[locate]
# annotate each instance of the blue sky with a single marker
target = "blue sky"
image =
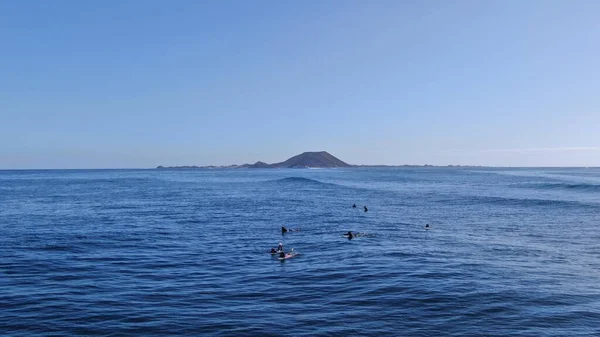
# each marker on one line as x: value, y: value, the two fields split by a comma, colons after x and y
x: 113, y: 84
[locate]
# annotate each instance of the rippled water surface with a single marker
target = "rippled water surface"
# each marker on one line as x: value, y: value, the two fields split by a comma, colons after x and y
x: 512, y: 252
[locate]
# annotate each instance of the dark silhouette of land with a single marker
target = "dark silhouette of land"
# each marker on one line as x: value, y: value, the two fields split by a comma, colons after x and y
x: 311, y: 159
x: 321, y: 159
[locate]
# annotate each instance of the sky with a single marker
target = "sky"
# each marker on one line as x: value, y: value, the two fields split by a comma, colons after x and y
x: 137, y: 84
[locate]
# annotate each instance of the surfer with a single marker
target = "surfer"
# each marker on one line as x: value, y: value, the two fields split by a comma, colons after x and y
x: 273, y: 251
x: 366, y: 210
x: 280, y: 247
x: 354, y: 206
x: 427, y: 226
x: 282, y: 254
x: 283, y: 229
x: 349, y: 235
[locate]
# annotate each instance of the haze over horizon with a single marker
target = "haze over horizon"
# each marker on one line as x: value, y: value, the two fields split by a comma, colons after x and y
x: 136, y: 84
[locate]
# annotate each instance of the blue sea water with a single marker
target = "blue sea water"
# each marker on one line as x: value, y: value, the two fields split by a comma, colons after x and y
x: 510, y: 252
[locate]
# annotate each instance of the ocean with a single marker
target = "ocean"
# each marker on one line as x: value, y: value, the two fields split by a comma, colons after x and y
x: 509, y: 252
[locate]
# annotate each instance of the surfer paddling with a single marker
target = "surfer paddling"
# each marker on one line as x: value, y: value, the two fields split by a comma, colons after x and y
x: 285, y: 230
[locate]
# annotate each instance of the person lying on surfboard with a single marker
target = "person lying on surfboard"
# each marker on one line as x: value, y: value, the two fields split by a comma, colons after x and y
x: 291, y: 254
x: 349, y: 235
x: 285, y: 230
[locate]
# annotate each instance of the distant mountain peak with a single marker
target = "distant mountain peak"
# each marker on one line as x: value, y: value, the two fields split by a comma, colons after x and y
x: 317, y: 159
x: 260, y: 164
x: 312, y: 159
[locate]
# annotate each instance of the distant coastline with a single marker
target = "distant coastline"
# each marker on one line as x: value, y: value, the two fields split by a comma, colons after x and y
x: 245, y: 166
x: 320, y: 159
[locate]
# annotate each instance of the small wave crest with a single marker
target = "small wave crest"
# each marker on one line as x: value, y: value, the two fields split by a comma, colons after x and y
x: 298, y: 180
x: 518, y: 202
x: 56, y: 248
x: 582, y: 187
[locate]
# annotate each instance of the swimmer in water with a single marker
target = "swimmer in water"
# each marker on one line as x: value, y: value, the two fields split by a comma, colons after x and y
x: 273, y: 251
x: 366, y: 210
x: 427, y: 226
x: 354, y: 206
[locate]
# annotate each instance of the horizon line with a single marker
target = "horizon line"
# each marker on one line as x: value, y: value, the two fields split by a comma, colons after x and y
x: 225, y: 167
